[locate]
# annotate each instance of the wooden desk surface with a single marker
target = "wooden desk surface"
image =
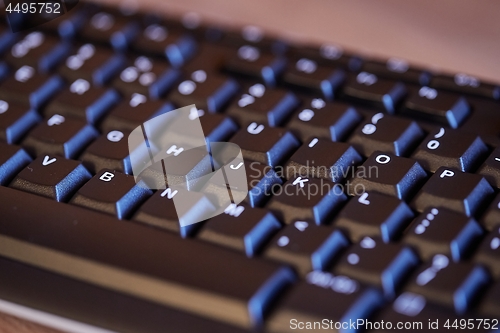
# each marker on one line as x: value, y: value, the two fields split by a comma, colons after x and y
x: 458, y: 36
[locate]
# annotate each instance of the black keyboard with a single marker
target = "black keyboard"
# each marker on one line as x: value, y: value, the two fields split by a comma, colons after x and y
x: 407, y: 232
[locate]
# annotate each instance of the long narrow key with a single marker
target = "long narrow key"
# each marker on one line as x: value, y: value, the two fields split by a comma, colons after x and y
x: 111, y: 192
x: 242, y: 228
x: 373, y: 262
x: 12, y: 160
x: 60, y: 136
x: 240, y: 295
x: 336, y: 297
x: 374, y: 214
x: 265, y: 106
x: 51, y: 176
x: 462, y: 192
x: 93, y: 64
x: 265, y: 144
x: 132, y: 112
x: 252, y: 62
x: 388, y: 134
x: 159, y: 210
x: 466, y: 84
x: 321, y: 158
x: 492, y: 214
x: 30, y: 88
x: 397, y: 69
x: 442, y: 107
x: 146, y: 77
x: 490, y: 169
x: 324, y: 119
x: 370, y: 90
x: 37, y: 50
x: 452, y: 284
x: 15, y: 120
x: 442, y: 231
x: 307, y: 74
x: 489, y: 250
x: 451, y: 148
x: 389, y: 174
x: 84, y: 101
x: 109, y: 151
x: 306, y: 247
x: 309, y: 199
x: 208, y: 92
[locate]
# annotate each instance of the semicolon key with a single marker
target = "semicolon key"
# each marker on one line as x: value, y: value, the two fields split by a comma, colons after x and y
x: 52, y: 176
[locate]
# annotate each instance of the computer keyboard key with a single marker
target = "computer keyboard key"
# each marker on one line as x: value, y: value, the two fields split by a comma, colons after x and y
x: 111, y: 192
x: 448, y: 283
x: 451, y: 148
x: 199, y: 270
x: 389, y: 174
x: 441, y: 231
x: 241, y: 228
x: 254, y: 36
x: 216, y: 127
x: 209, y: 92
x: 337, y: 298
x: 320, y: 119
x: 485, y: 120
x: 322, y: 158
x: 492, y: 214
x: 37, y: 50
x: 488, y: 252
x: 309, y: 199
x: 418, y: 313
x: 30, y: 88
x: 374, y: 214
x: 388, y: 134
x: 109, y: 151
x: 12, y: 160
x: 132, y: 112
x: 490, y: 169
x: 159, y: 210
x: 264, y: 144
x: 306, y: 74
x: 92, y: 63
x: 458, y: 191
x: 51, y: 176
x: 147, y: 77
x: 490, y: 304
x: 306, y: 246
x: 442, y: 107
x: 109, y: 28
x: 330, y: 55
x: 368, y: 89
x: 466, y: 84
x: 157, y: 40
x: 373, y: 262
x: 84, y: 101
x: 398, y: 69
x: 59, y: 135
x: 250, y: 61
x: 15, y: 121
x: 263, y: 105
